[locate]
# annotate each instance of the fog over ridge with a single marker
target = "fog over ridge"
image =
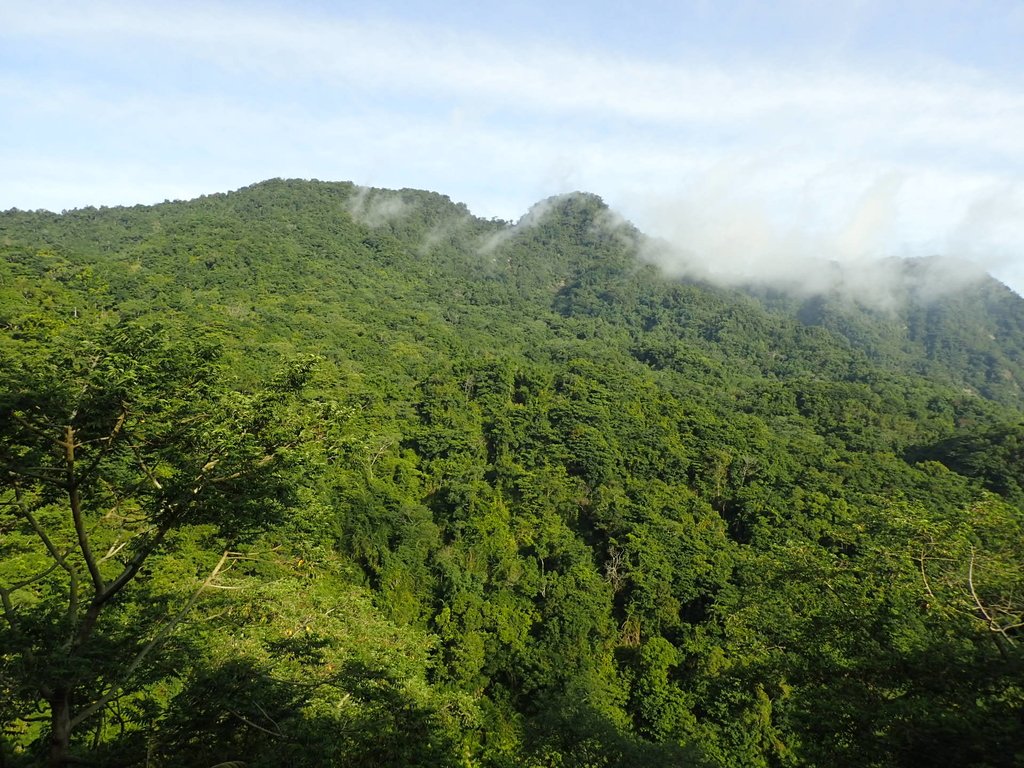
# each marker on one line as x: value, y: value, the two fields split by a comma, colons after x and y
x: 734, y: 245
x: 861, y: 250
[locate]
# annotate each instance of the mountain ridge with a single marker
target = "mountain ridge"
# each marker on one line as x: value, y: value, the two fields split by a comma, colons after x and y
x: 548, y: 505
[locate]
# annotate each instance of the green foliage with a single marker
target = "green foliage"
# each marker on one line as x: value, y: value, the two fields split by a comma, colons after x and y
x: 118, y: 446
x: 519, y: 499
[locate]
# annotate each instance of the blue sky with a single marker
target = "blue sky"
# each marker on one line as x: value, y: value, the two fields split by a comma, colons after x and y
x: 753, y: 135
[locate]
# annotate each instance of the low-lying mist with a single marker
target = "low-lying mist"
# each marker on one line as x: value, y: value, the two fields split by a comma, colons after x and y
x: 719, y: 237
x: 862, y: 252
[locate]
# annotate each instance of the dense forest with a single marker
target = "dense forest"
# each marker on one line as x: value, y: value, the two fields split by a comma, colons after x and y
x: 311, y: 474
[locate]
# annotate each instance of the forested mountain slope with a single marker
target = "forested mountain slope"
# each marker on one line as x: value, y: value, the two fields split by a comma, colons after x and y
x: 381, y: 483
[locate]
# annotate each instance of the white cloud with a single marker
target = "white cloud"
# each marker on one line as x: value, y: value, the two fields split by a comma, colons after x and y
x: 750, y: 166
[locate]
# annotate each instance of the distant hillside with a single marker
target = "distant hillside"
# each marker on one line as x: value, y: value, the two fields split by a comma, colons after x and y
x: 534, y: 501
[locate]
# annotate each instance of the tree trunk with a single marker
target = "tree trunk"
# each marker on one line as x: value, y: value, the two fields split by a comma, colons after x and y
x: 60, y: 728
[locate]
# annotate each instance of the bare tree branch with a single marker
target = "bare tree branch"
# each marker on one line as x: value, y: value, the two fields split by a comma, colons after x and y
x: 160, y: 636
x: 25, y: 512
x: 48, y: 436
x: 75, y: 500
x: 133, y: 565
x: 251, y: 724
x: 145, y: 469
x: 32, y: 579
x: 108, y: 441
